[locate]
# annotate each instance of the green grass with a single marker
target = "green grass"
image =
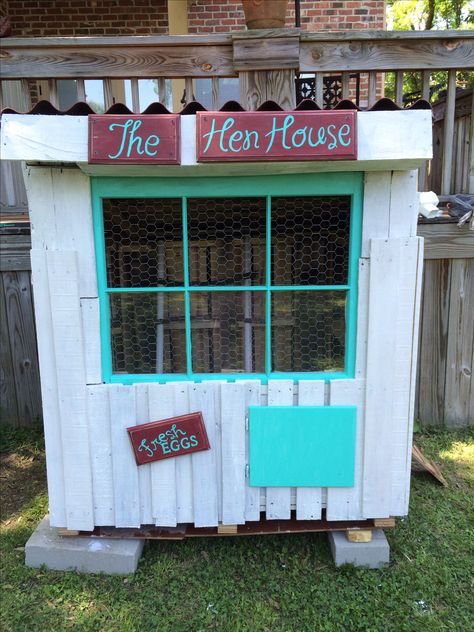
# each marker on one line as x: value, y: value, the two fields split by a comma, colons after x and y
x: 271, y: 583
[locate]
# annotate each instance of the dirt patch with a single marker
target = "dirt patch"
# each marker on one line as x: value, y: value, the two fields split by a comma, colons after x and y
x: 22, y: 478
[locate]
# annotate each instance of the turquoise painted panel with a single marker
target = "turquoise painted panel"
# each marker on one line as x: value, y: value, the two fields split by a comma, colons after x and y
x: 302, y: 446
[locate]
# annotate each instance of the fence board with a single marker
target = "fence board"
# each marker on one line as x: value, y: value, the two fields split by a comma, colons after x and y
x: 8, y: 394
x: 460, y: 342
x: 309, y: 499
x: 144, y: 471
x: 21, y: 332
x: 252, y: 494
x: 233, y: 452
x: 126, y: 488
x: 63, y: 279
x: 278, y: 505
x: 98, y: 411
x: 184, y: 468
x: 163, y: 473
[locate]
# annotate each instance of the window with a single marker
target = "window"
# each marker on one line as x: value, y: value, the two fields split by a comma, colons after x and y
x: 205, y: 278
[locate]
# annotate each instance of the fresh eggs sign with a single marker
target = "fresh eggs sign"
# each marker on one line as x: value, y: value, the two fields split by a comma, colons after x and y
x: 168, y: 438
x: 257, y: 136
x: 150, y: 139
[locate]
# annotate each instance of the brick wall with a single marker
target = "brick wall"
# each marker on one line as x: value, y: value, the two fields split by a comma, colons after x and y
x: 43, y: 18
x: 221, y: 16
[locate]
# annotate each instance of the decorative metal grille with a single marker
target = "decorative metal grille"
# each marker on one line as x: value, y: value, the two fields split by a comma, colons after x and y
x: 227, y: 285
x: 332, y: 89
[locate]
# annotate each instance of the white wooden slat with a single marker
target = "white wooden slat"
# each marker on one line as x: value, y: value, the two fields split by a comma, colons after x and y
x: 376, y: 214
x: 92, y: 343
x: 403, y: 204
x: 204, y: 464
x: 278, y: 501
x: 124, y: 467
x: 73, y: 224
x: 216, y: 100
x: 308, y: 499
x: 216, y: 385
x: 252, y: 494
x: 184, y: 469
x: 345, y: 503
x: 39, y: 189
x: 144, y: 471
x: 362, y: 317
x: 100, y: 441
x: 381, y: 351
x: 414, y: 367
x: 53, y: 92
x: 63, y: 279
x: 163, y: 473
x: 402, y: 387
x: 49, y: 390
x: 403, y: 136
x: 233, y: 452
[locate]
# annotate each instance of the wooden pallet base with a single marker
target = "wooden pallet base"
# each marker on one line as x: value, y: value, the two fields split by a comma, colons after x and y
x: 262, y: 527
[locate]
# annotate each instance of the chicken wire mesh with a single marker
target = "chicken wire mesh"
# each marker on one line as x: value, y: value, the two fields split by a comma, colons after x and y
x: 226, y: 238
x: 310, y: 240
x: 143, y: 242
x: 227, y: 247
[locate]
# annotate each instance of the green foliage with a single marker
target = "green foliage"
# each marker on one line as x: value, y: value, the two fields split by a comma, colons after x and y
x: 274, y: 583
x: 416, y: 15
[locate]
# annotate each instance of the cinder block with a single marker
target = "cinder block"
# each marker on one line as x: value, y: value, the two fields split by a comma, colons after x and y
x: 87, y: 555
x: 373, y: 554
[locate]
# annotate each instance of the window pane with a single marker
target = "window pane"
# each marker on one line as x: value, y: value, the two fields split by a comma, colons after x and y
x: 310, y: 240
x: 228, y: 332
x: 143, y: 242
x: 226, y: 241
x: 148, y: 332
x: 308, y: 330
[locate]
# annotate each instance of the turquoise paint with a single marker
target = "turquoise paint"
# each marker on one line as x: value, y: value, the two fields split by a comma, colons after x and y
x: 224, y: 288
x: 187, y: 300
x: 162, y: 378
x: 104, y: 306
x: 302, y: 446
x: 296, y: 185
x: 268, y: 279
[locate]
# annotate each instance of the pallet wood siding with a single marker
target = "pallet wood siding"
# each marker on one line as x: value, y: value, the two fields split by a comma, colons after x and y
x: 20, y: 394
x: 445, y: 383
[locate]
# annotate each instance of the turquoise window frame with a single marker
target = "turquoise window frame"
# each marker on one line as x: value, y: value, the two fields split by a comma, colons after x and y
x: 295, y: 185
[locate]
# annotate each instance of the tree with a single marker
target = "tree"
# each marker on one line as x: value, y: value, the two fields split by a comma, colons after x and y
x: 424, y: 15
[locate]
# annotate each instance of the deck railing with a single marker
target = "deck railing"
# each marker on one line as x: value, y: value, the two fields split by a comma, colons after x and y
x: 264, y: 65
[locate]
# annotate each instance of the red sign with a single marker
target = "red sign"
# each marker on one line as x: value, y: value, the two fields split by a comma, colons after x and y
x: 255, y: 136
x: 168, y: 438
x: 124, y: 139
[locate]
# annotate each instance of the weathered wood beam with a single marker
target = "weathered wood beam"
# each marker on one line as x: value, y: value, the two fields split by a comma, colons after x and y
x: 266, y: 54
x: 447, y: 241
x: 120, y: 62
x: 360, y: 54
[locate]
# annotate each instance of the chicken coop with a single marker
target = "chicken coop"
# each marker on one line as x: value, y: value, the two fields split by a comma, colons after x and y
x: 227, y: 313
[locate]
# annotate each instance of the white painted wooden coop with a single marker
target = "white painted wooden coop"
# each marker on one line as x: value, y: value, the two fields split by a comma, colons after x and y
x: 96, y: 383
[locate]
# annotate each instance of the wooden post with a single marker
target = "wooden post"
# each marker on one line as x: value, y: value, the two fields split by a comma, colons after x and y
x: 177, y: 25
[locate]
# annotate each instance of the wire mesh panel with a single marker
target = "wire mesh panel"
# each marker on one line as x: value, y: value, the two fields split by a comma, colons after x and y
x: 226, y: 239
x: 148, y: 332
x: 308, y: 331
x: 228, y: 332
x: 224, y: 285
x: 144, y: 242
x: 310, y: 240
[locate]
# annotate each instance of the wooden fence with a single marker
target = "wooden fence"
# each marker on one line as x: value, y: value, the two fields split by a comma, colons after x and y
x: 20, y: 395
x: 446, y: 357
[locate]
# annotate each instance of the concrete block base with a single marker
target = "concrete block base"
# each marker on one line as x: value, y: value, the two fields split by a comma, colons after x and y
x: 373, y: 554
x: 87, y: 555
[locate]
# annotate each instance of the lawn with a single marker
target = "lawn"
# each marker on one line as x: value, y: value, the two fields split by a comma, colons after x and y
x: 271, y: 583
